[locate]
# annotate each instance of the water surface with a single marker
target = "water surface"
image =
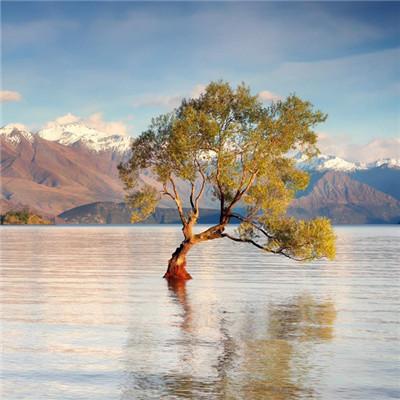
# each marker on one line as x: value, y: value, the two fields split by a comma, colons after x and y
x: 86, y: 315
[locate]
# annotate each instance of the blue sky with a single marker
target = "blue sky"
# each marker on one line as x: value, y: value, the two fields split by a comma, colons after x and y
x: 130, y: 61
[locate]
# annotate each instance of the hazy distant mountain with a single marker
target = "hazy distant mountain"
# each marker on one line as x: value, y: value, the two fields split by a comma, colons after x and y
x: 385, y: 178
x: 346, y: 201
x: 385, y: 163
x: 64, y: 166
x: 118, y: 213
x: 383, y: 175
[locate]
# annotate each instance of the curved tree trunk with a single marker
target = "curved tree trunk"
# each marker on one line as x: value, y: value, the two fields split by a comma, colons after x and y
x: 177, y: 264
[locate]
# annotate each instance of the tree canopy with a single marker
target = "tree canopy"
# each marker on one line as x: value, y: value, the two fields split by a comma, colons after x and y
x: 228, y: 140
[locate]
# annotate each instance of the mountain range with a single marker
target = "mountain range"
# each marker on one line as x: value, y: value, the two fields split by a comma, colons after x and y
x: 65, y: 169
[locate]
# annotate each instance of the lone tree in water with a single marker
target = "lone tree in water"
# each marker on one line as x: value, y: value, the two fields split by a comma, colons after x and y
x: 227, y: 140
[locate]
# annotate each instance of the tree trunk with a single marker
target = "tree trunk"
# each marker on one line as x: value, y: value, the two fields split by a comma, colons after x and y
x: 177, y: 264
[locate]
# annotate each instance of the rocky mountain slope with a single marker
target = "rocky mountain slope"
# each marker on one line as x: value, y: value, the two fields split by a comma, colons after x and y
x: 65, y: 166
x: 51, y: 177
x: 346, y: 201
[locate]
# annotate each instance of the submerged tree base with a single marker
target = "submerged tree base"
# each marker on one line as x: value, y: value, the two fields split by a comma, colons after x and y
x: 177, y: 264
x: 177, y: 272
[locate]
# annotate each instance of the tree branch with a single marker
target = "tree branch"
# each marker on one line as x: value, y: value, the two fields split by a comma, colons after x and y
x: 178, y: 202
x: 221, y: 193
x: 236, y: 239
x: 192, y: 196
x: 213, y: 232
x: 203, y: 185
x: 194, y: 201
x: 166, y: 192
x: 280, y: 251
x: 240, y: 193
x: 249, y: 221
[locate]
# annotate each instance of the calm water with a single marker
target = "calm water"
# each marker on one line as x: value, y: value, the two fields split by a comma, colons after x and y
x: 86, y: 315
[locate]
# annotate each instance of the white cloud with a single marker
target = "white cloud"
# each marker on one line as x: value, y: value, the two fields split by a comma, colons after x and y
x: 376, y: 149
x: 97, y: 122
x: 9, y: 95
x: 94, y: 121
x: 163, y: 101
x: 198, y: 90
x: 66, y: 119
x: 167, y: 101
x: 268, y: 96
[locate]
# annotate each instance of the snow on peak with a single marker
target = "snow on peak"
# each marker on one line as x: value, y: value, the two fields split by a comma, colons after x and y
x: 14, y: 132
x: 323, y: 162
x: 71, y: 133
x: 386, y: 162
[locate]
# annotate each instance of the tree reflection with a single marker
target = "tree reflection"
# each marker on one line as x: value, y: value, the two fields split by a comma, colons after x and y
x: 261, y: 353
x: 277, y: 366
x: 302, y: 317
x: 190, y: 386
x: 178, y: 292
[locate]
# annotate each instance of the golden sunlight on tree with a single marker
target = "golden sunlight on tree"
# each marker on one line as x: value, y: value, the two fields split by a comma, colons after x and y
x: 229, y: 141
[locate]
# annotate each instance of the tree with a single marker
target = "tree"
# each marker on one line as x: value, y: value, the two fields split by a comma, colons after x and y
x: 228, y: 140
x: 23, y: 217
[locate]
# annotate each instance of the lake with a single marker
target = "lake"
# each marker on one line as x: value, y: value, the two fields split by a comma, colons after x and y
x: 86, y: 315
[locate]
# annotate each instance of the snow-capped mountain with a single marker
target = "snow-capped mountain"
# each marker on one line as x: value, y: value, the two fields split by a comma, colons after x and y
x: 74, y: 133
x: 13, y: 133
x: 324, y: 162
x: 386, y: 162
x: 70, y: 135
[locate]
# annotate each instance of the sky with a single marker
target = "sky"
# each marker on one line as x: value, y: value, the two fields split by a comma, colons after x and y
x: 118, y: 64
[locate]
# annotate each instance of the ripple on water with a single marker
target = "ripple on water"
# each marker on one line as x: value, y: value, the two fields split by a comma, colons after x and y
x: 86, y: 315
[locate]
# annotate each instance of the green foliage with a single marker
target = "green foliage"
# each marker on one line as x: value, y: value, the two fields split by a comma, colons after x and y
x: 143, y: 203
x: 302, y: 240
x: 240, y: 148
x: 17, y: 217
x: 24, y: 217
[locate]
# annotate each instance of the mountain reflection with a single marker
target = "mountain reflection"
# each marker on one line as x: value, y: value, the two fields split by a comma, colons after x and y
x: 249, y: 354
